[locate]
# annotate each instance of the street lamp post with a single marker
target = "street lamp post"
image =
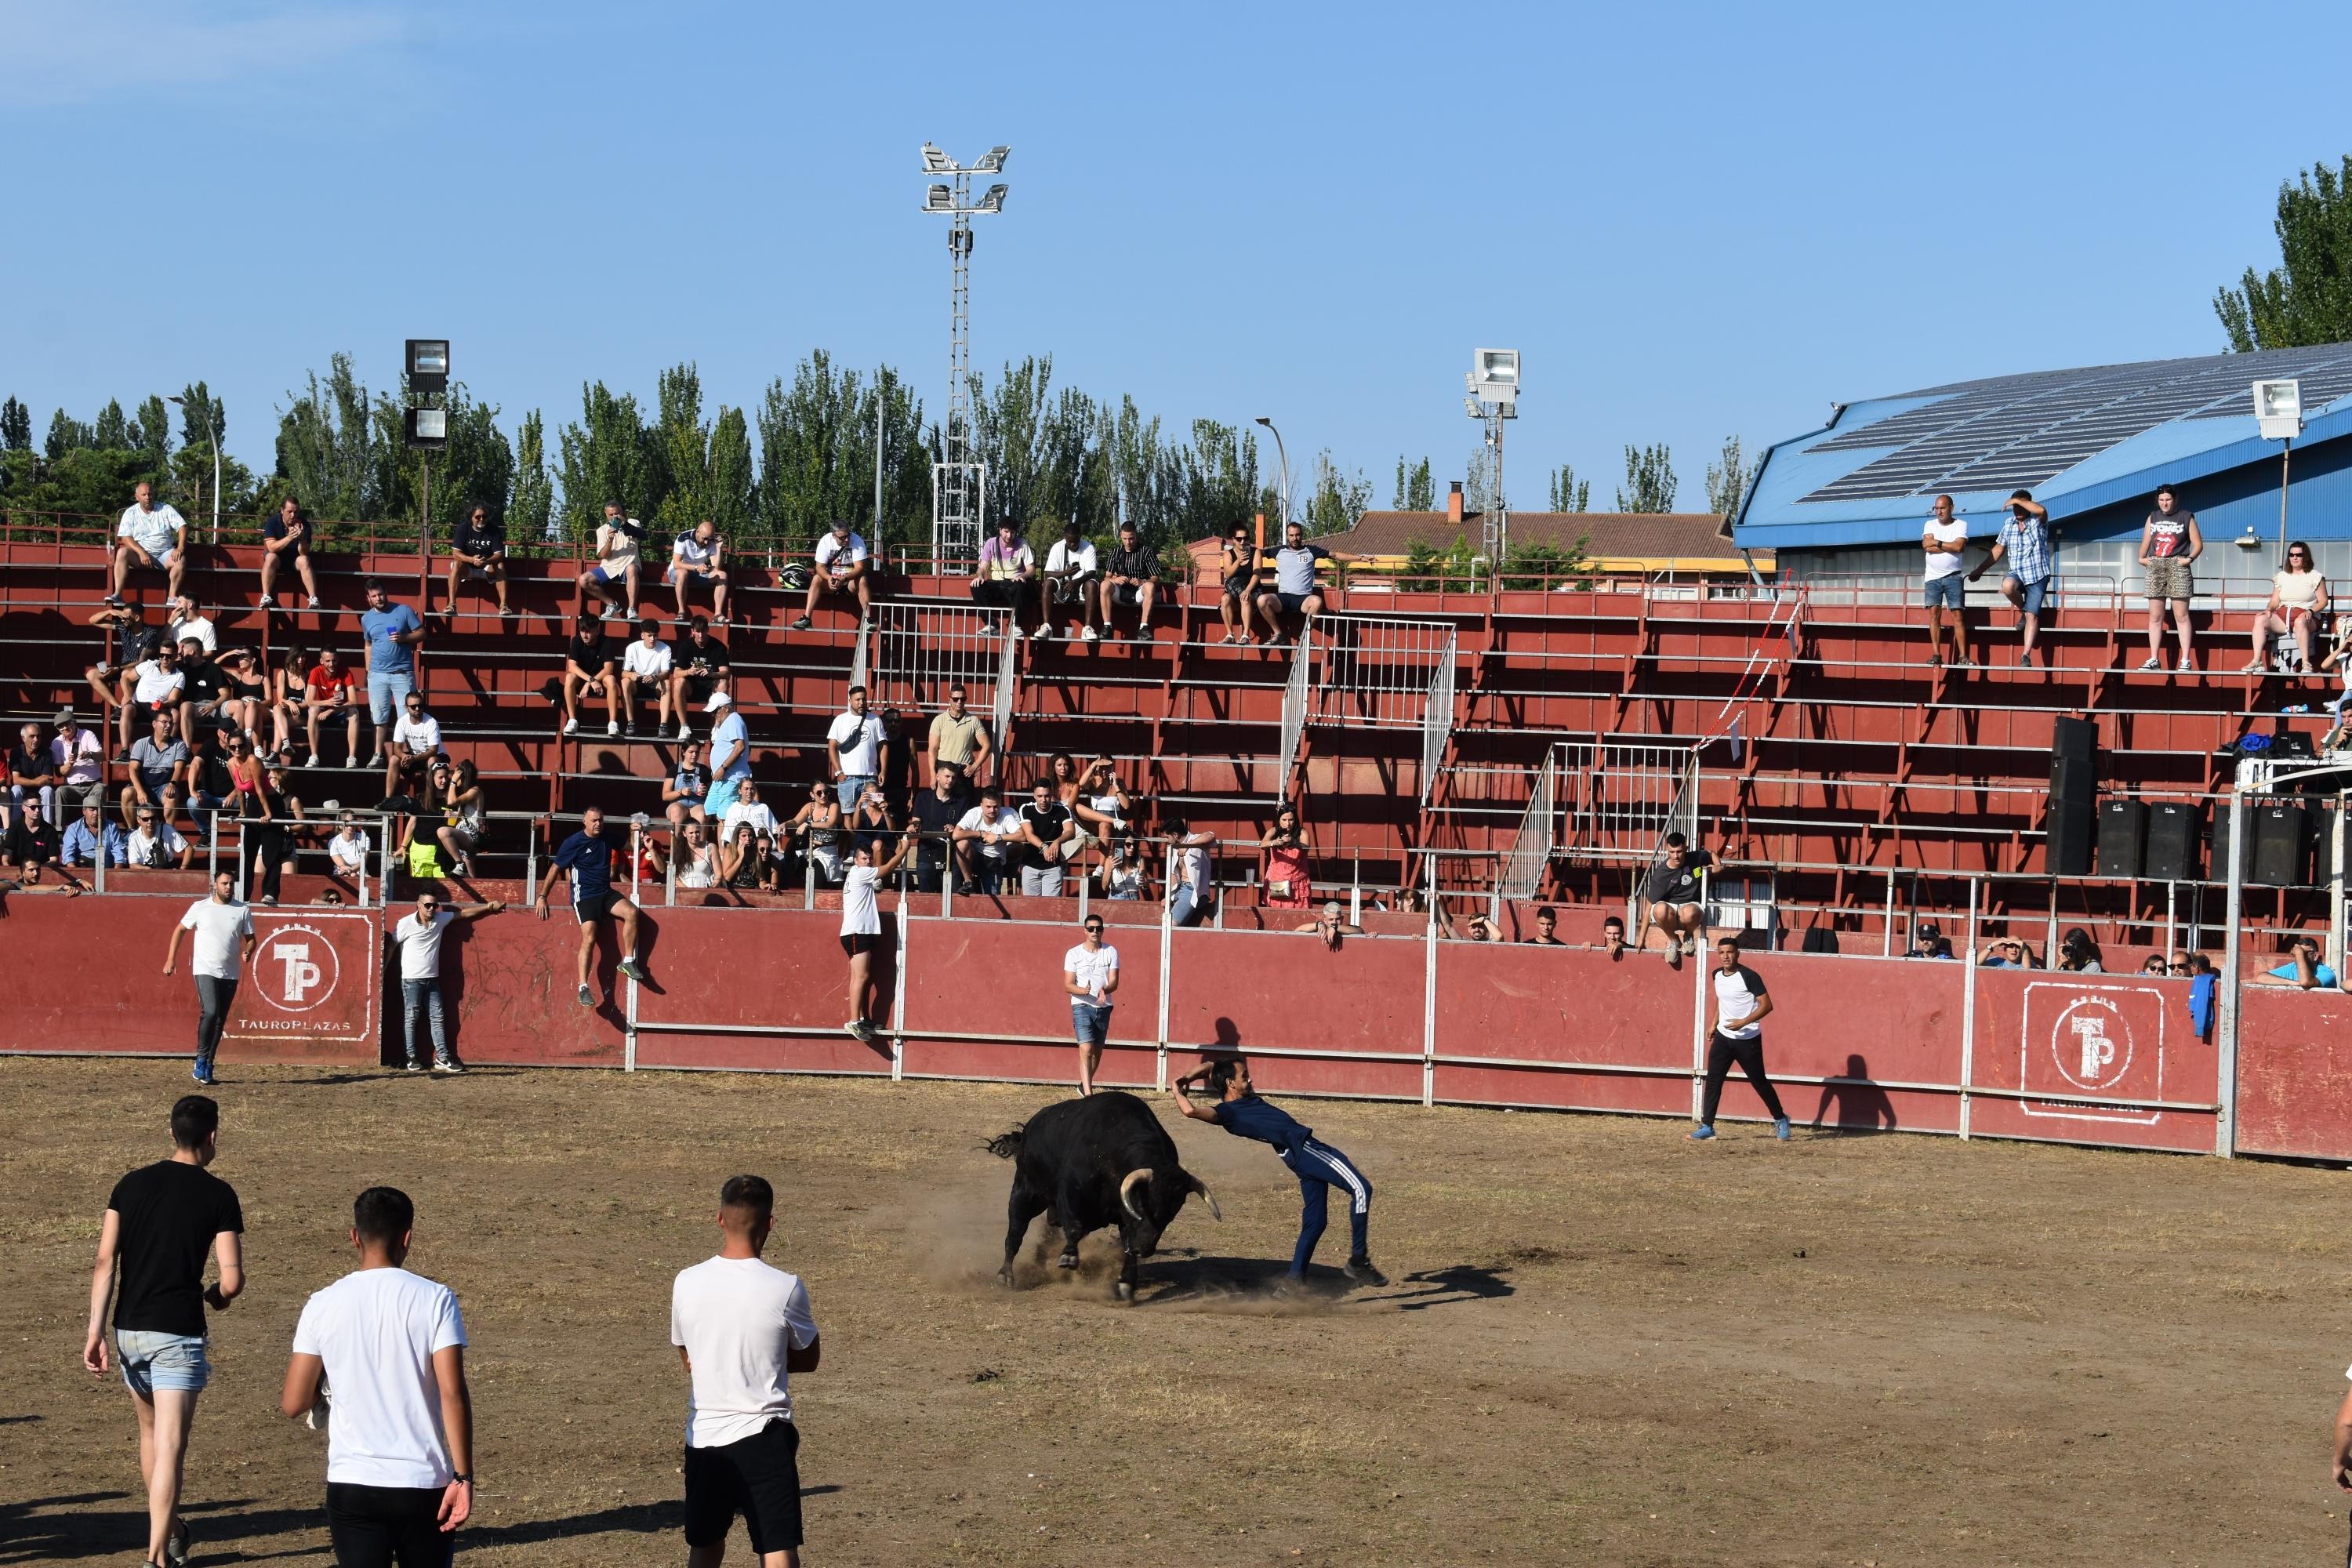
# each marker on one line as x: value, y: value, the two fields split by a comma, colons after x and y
x: 212, y: 439
x: 1282, y: 478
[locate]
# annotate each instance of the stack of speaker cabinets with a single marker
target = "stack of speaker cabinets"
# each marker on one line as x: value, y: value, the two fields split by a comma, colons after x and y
x: 2073, y: 797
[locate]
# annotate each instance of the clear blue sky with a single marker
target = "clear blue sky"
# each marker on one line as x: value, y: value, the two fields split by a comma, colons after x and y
x: 1693, y: 221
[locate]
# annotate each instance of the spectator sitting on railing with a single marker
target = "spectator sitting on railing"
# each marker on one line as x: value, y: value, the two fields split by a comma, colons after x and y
x: 959, y: 738
x: 184, y: 619
x: 690, y: 782
x: 1070, y: 578
x: 1613, y: 939
x: 644, y: 679
x: 986, y: 844
x: 842, y: 570
x: 2024, y: 542
x: 286, y: 536
x: 1006, y: 569
x: 816, y: 832
x: 79, y: 758
x: 1548, y: 929
x: 588, y: 667
x: 2303, y: 970
x: 152, y: 536
x: 347, y: 851
x: 415, y: 745
x: 90, y: 837
x: 1195, y: 886
x: 2078, y: 955
x: 1237, y: 601
x: 1672, y: 893
x: 1295, y: 591
x: 699, y: 554
x: 33, y: 776
x: 934, y: 814
x: 1928, y: 942
x: 1286, y: 849
x: 478, y: 552
x: 1131, y: 577
x: 154, y: 845
x: 331, y: 690
x: 2003, y: 953
x: 612, y: 579
x: 698, y: 668
x: 2299, y: 598
x: 1330, y: 926
x: 158, y: 770
x: 154, y: 685
x: 1048, y: 838
x: 1122, y: 877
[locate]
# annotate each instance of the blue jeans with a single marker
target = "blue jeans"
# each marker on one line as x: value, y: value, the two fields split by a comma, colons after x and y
x: 2033, y: 593
x: 387, y: 690
x: 849, y: 789
x: 422, y: 996
x: 173, y: 1362
x: 1320, y: 1167
x: 1090, y: 1021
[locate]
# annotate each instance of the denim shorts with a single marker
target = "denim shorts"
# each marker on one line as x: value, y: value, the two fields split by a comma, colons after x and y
x: 1091, y: 1022
x: 1951, y: 591
x: 175, y: 1363
x: 387, y: 690
x: 2032, y: 592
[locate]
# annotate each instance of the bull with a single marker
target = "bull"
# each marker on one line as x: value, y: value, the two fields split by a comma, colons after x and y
x: 1104, y: 1160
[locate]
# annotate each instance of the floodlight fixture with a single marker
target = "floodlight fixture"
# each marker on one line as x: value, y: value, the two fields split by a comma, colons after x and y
x: 1470, y: 405
x: 992, y: 160
x: 427, y: 360
x: 937, y: 163
x: 940, y: 199
x: 993, y: 201
x: 2278, y: 406
x: 427, y: 429
x: 1494, y: 374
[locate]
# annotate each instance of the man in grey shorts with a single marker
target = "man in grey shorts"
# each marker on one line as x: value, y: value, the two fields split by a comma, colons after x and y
x: 162, y: 1221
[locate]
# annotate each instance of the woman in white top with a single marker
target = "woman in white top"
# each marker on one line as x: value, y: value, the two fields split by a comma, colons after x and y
x: 1121, y: 873
x: 2299, y: 598
x: 697, y: 858
x: 461, y: 815
x: 861, y: 926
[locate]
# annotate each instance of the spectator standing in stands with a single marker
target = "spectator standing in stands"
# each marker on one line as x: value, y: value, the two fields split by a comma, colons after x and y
x: 79, y: 757
x: 1048, y: 838
x: 389, y: 1347
x: 842, y: 570
x: 477, y: 552
x: 1070, y: 578
x: 1122, y: 877
x: 1295, y: 591
x: 1286, y: 849
x: 154, y: 845
x: 861, y: 926
x: 588, y: 667
x: 934, y: 814
x: 152, y: 536
x: 1735, y: 1019
x: 155, y: 688
x: 697, y: 667
x: 332, y: 689
x: 2299, y: 598
x: 415, y: 742
x: 225, y: 939
x: 613, y: 578
x: 1946, y: 542
x: 161, y: 1222
x: 959, y: 739
x: 393, y: 632
x: 730, y: 754
x: 644, y: 679
x: 286, y: 539
x: 2303, y: 970
x: 1131, y: 577
x: 853, y: 750
x: 158, y: 770
x: 418, y: 936
x: 587, y: 856
x: 1007, y: 569
x: 1190, y: 895
x: 1671, y: 891
x: 1238, y: 599
x: 690, y: 782
x: 741, y: 1329
x: 264, y: 847
x: 1090, y: 975
x: 1548, y: 929
x: 2024, y: 544
x: 2169, y: 542
x: 987, y: 843
x: 90, y: 837
x: 699, y: 554
x: 33, y: 776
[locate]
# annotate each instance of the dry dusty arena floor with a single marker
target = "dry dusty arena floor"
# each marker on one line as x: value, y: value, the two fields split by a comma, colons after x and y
x: 1602, y: 1345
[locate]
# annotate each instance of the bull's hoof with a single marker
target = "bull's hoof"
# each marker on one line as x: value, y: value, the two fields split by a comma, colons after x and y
x: 1005, y: 1276
x: 1125, y: 1291
x: 1067, y: 1260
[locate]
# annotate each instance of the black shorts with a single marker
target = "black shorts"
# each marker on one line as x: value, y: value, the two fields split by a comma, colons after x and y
x: 594, y: 908
x: 1292, y: 602
x: 1126, y: 593
x: 758, y: 1476
x: 1242, y: 586
x: 698, y: 687
x: 853, y: 942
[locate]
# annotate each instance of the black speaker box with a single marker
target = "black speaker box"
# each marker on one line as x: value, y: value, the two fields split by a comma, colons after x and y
x: 2073, y: 829
x: 2282, y: 847
x: 2219, y: 864
x: 2174, y: 828
x: 2123, y: 830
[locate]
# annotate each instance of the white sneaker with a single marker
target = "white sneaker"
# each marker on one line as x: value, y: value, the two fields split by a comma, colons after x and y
x: 313, y: 762
x: 612, y: 726
x: 1088, y: 634
x: 682, y: 732
x: 2151, y: 662
x: 1674, y: 954
x: 572, y: 726
x: 1042, y: 634
x: 2188, y: 663
x: 311, y: 603
x: 375, y: 759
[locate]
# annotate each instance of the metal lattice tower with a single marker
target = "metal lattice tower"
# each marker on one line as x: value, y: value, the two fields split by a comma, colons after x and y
x: 959, y: 484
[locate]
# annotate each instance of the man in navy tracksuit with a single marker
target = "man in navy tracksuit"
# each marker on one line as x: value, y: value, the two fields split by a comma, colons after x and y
x: 1317, y: 1165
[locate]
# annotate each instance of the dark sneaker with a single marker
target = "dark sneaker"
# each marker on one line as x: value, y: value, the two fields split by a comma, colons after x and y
x: 203, y: 1073
x: 800, y: 625
x: 1360, y: 1271
x: 587, y: 997
x: 447, y: 1065
x: 633, y: 970
x: 114, y: 600
x: 413, y: 1065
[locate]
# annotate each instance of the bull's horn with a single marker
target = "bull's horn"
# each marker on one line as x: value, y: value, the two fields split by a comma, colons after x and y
x: 1126, y: 1191
x: 1201, y: 1187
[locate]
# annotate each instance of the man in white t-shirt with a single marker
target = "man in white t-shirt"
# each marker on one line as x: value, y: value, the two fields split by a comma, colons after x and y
x: 699, y: 553
x: 1090, y: 974
x: 861, y: 928
x: 1946, y: 543
x: 984, y: 841
x: 348, y: 850
x: 742, y: 1328
x: 382, y: 1351
x: 418, y: 936
x: 853, y: 751
x: 154, y: 844
x: 842, y: 570
x: 185, y: 618
x: 612, y: 577
x: 416, y: 741
x: 1071, y: 578
x: 644, y: 679
x: 1735, y: 1019
x: 225, y: 937
x: 151, y: 535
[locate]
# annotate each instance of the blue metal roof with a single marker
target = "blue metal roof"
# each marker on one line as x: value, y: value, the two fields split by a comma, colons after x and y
x: 2078, y: 439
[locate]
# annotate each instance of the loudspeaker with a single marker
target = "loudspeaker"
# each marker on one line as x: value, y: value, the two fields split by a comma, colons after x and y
x: 2074, y: 796
x: 2174, y: 826
x: 2281, y: 847
x: 2220, y: 840
x: 2123, y: 829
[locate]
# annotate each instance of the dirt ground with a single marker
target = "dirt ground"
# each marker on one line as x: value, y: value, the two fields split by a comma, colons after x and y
x: 1601, y: 1343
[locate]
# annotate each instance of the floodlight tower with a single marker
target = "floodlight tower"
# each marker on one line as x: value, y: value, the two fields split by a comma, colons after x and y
x: 2278, y: 408
x: 959, y: 485
x: 1494, y: 382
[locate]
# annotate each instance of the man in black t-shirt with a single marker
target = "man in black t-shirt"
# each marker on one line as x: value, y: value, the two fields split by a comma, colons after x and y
x: 1671, y: 891
x: 1131, y: 577
x: 936, y: 812
x: 697, y: 664
x: 1048, y: 835
x: 161, y: 1223
x: 477, y: 549
x: 588, y: 667
x: 200, y: 696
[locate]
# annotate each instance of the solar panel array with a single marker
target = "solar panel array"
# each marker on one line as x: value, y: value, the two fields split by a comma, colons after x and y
x: 2020, y: 431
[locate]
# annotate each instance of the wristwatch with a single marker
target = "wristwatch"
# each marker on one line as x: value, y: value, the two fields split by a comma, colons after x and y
x: 455, y: 1478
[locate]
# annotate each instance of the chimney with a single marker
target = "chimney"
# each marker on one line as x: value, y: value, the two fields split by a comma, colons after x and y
x: 1454, y: 502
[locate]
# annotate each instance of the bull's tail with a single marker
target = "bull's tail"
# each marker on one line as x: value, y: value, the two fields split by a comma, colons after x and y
x: 1005, y: 1145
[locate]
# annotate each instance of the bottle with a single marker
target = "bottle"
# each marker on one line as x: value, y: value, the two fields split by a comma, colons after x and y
x: 2296, y: 707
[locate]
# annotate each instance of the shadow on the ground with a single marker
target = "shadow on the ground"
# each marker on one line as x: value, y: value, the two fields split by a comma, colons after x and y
x: 1179, y: 1275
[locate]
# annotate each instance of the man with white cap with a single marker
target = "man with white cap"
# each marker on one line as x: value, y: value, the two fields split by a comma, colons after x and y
x: 731, y: 755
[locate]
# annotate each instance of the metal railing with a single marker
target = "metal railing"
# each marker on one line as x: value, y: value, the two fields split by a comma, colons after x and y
x: 1437, y: 718
x: 1530, y: 850
x: 920, y: 648
x: 1294, y: 712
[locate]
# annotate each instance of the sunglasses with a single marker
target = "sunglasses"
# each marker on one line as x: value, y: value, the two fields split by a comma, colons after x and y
x: 1094, y: 931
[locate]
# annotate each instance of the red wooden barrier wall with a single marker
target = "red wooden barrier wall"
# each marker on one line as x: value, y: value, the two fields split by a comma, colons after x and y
x: 2294, y: 1073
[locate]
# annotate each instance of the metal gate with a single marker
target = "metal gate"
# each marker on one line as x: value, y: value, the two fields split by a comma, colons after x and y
x: 1372, y: 672
x: 919, y: 648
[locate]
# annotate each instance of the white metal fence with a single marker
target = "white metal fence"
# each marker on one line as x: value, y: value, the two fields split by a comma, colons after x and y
x: 1616, y: 796
x: 1530, y: 851
x: 1372, y: 672
x: 922, y: 648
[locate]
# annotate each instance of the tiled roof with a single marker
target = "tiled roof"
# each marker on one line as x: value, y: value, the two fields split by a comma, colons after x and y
x: 1609, y: 535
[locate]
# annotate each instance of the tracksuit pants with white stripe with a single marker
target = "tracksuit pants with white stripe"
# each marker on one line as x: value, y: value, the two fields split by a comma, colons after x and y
x: 1319, y: 1166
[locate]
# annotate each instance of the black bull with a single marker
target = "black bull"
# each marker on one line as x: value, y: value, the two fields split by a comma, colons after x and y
x: 1086, y: 1164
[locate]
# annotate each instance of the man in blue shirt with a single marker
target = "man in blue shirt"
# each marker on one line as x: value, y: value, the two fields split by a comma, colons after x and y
x: 393, y: 632
x: 86, y: 838
x: 731, y: 755
x: 588, y: 856
x: 2024, y: 544
x: 1317, y: 1165
x: 2303, y: 971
